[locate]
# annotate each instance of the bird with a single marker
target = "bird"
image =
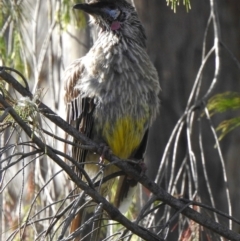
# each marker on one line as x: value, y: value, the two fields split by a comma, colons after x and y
x: 112, y: 96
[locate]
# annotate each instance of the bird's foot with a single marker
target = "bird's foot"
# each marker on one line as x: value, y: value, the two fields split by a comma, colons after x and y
x: 139, y: 165
x: 105, y: 150
x: 142, y: 165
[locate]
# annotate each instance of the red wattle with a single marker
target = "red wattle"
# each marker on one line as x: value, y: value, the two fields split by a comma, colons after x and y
x: 115, y: 25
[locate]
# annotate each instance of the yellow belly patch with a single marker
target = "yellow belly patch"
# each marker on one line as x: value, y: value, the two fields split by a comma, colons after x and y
x: 124, y: 136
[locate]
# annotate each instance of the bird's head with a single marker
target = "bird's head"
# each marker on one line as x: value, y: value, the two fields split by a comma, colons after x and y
x: 116, y: 16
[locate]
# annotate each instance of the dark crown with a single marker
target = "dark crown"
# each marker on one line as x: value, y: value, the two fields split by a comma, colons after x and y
x: 117, y: 16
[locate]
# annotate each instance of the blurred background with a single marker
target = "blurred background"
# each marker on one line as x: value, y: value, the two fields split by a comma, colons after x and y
x: 40, y: 38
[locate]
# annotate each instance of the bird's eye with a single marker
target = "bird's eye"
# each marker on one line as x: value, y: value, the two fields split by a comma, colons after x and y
x: 112, y: 12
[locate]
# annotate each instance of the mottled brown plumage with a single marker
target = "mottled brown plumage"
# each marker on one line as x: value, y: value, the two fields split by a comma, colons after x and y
x: 112, y: 92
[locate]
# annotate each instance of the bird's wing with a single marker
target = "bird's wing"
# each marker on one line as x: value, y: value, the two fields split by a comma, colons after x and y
x: 79, y: 109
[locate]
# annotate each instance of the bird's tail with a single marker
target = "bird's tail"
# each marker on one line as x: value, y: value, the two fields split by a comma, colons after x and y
x: 75, y: 224
x: 124, y: 193
x: 88, y: 224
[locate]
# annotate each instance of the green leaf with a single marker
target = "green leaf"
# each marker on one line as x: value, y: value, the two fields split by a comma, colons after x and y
x: 228, y: 125
x: 174, y: 3
x: 221, y: 103
x: 224, y: 102
x: 66, y: 15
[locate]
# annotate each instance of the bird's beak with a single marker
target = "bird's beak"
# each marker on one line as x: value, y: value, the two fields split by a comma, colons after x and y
x: 88, y: 8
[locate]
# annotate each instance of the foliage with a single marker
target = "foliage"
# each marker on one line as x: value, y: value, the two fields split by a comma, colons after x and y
x: 174, y: 4
x: 44, y: 212
x: 15, y: 19
x: 220, y: 103
x: 12, y: 17
x: 66, y: 15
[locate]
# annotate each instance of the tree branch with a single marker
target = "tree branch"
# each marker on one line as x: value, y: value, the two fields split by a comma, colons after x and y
x: 114, y: 213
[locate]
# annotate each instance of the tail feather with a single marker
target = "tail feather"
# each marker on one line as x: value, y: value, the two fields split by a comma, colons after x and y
x: 125, y: 191
x: 75, y: 224
x: 90, y: 221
